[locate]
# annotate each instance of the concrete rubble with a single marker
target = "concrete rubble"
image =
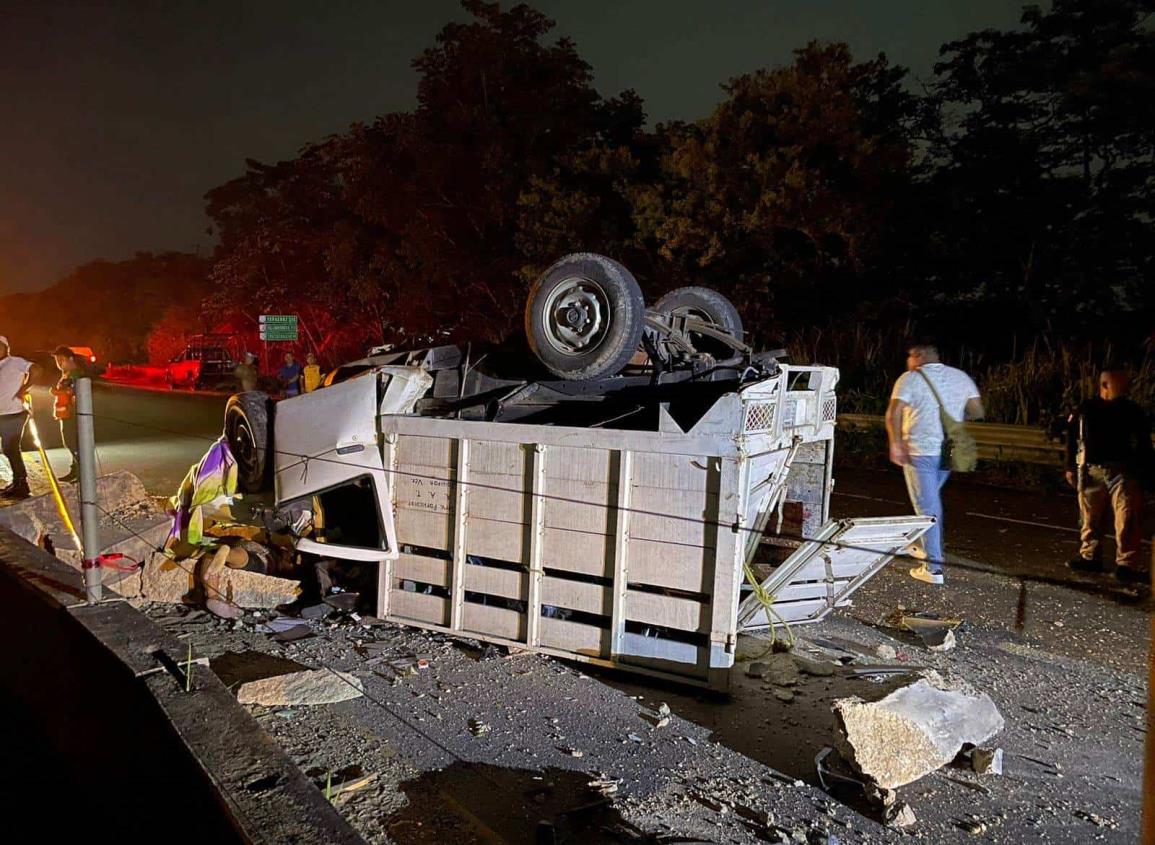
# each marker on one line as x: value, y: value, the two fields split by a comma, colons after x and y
x: 310, y: 687
x: 913, y: 731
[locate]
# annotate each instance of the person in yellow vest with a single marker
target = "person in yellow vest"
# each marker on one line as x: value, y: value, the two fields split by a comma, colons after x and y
x: 312, y: 374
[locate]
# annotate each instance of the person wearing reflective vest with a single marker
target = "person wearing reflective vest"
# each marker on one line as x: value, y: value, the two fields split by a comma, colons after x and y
x: 64, y: 406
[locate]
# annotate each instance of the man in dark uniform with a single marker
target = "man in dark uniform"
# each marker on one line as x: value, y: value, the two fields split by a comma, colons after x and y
x: 1109, y: 454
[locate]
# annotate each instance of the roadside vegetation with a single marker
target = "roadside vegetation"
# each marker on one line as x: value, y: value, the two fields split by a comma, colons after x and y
x: 1004, y: 205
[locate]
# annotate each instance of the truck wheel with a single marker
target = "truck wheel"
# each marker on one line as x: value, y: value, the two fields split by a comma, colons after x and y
x: 249, y: 434
x: 584, y: 317
x: 704, y: 304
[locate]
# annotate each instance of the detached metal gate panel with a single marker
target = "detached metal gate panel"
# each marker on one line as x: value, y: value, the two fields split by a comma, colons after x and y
x: 823, y: 572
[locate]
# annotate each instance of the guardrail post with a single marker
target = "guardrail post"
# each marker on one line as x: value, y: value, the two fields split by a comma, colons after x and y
x: 89, y: 518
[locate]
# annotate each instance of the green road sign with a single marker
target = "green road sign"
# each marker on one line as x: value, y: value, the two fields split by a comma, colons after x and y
x: 282, y: 327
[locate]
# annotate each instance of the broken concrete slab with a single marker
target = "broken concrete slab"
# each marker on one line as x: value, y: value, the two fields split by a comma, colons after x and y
x: 36, y: 516
x: 311, y: 687
x: 254, y: 590
x: 168, y: 581
x: 913, y: 731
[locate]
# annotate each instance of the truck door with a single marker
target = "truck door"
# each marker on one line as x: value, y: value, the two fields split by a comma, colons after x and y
x: 328, y: 450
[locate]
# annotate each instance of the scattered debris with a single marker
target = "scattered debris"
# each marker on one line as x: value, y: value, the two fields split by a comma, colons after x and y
x: 814, y: 668
x: 783, y: 694
x: 223, y: 609
x: 973, y: 826
x: 913, y: 731
x: 882, y: 669
x: 936, y: 634
x: 572, y: 752
x: 313, y: 686
x: 1095, y: 819
x: 345, y: 602
x: 832, y: 770
x: 899, y: 815
x: 478, y: 727
x: 987, y: 761
x: 605, y: 785
x: 781, y: 670
x: 887, y: 652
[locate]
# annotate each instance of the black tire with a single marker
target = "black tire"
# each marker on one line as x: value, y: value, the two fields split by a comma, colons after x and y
x: 248, y: 430
x: 703, y: 303
x: 584, y: 317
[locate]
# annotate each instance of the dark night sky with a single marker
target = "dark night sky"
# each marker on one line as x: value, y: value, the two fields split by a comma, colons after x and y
x: 118, y: 116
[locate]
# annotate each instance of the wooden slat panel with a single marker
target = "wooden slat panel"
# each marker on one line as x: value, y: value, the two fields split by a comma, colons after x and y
x: 574, y: 464
x: 426, y: 452
x: 684, y: 473
x: 668, y: 611
x: 664, y: 655
x: 494, y: 621
x: 419, y: 606
x: 499, y: 506
x: 576, y: 595
x: 427, y: 570
x: 577, y: 637
x: 570, y: 551
x: 667, y: 565
x: 685, y: 524
x: 423, y: 490
x: 581, y: 488
x: 494, y: 581
x: 431, y: 530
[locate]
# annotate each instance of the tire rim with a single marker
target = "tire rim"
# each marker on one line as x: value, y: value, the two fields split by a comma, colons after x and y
x: 242, y: 443
x: 577, y: 316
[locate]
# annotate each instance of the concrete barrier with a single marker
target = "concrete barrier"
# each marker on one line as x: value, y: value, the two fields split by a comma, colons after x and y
x: 169, y: 765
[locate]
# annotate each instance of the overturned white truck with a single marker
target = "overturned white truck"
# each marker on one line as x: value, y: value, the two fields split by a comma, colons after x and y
x: 669, y: 489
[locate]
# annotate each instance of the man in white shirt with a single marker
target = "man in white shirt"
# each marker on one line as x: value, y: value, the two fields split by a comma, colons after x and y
x: 15, y: 376
x: 914, y: 428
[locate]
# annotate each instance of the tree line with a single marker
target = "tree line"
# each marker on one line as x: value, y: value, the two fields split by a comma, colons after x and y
x: 1003, y: 204
x: 1009, y: 195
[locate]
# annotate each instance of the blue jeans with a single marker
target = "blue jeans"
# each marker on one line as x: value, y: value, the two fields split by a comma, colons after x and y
x: 924, y: 480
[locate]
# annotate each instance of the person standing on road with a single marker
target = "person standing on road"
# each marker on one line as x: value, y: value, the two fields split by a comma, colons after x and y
x: 64, y: 406
x: 290, y: 376
x: 16, y: 375
x: 246, y: 373
x: 1109, y: 454
x: 312, y: 374
x: 914, y: 428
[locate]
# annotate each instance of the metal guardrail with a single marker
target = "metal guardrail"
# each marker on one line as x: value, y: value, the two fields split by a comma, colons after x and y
x: 996, y: 442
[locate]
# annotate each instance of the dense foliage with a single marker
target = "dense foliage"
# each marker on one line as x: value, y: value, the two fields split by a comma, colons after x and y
x: 1007, y: 199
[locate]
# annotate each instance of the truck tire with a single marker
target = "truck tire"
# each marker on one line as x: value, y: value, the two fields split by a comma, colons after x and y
x: 248, y: 430
x: 584, y: 317
x: 705, y: 304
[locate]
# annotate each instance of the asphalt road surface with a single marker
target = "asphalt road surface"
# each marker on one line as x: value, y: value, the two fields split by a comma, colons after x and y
x: 155, y: 434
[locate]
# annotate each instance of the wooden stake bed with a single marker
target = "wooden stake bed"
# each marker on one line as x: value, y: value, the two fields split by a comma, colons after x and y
x: 623, y: 548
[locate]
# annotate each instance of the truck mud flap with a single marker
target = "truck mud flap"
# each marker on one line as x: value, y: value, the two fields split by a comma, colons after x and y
x: 825, y: 571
